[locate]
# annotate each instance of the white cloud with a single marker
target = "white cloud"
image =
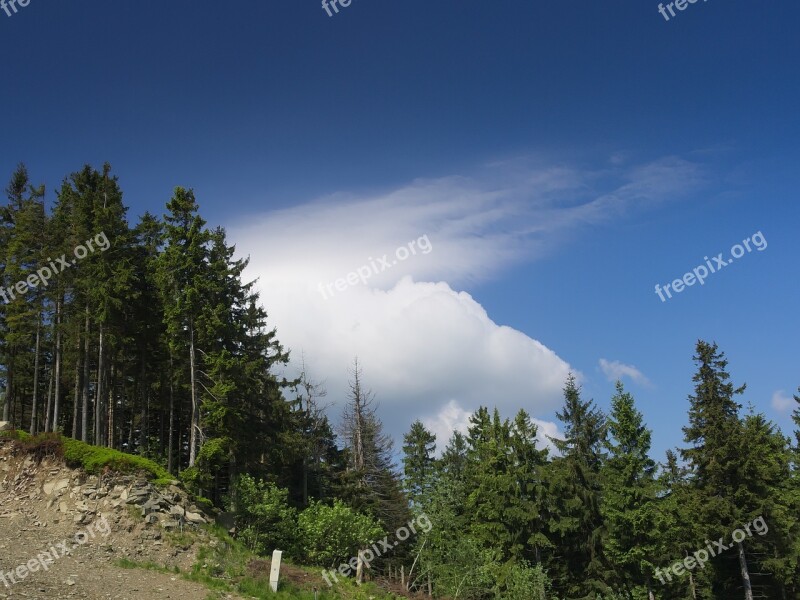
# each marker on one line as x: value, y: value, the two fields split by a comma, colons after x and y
x: 449, y: 419
x: 547, y: 430
x: 421, y: 341
x: 615, y: 370
x: 782, y: 402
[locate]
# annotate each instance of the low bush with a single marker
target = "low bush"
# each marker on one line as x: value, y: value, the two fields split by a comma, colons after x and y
x: 265, y: 519
x: 331, y: 535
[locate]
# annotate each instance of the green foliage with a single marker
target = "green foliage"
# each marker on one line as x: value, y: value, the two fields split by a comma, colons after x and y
x: 265, y: 519
x: 523, y: 582
x: 628, y: 505
x: 419, y: 447
x: 578, y: 567
x: 331, y: 535
x: 16, y: 434
x: 94, y: 459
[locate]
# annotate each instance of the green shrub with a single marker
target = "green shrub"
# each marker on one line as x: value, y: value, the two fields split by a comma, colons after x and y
x: 331, y: 535
x: 523, y: 582
x: 265, y: 519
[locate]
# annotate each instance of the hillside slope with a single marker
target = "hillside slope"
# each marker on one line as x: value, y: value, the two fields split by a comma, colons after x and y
x: 62, y: 532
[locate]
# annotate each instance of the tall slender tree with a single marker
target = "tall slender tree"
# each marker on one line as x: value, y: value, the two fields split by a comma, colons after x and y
x: 575, y: 522
x: 629, y: 498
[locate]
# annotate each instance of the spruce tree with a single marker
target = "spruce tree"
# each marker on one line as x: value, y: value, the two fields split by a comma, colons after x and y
x: 577, y: 565
x: 716, y: 439
x: 629, y: 498
x: 419, y: 447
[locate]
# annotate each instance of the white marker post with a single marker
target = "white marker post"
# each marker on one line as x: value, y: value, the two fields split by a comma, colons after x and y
x: 275, y: 570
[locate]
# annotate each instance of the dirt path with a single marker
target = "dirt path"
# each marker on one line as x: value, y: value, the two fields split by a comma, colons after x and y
x: 87, y: 572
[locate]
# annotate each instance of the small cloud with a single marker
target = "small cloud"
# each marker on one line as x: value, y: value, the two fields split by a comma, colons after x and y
x: 547, y: 430
x: 449, y: 419
x: 615, y: 370
x: 781, y: 402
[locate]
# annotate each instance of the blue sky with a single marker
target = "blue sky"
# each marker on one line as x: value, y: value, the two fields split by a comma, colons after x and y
x: 562, y: 159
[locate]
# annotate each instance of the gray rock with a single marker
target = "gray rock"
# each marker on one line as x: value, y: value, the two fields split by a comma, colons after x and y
x: 196, y: 518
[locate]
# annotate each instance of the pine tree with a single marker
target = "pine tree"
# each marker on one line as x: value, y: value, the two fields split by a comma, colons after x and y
x: 677, y: 531
x: 716, y: 437
x: 183, y: 274
x: 454, y: 458
x: 319, y: 455
x: 767, y: 492
x: 629, y: 497
x: 23, y: 304
x: 377, y: 489
x: 419, y: 448
x: 528, y: 501
x: 578, y: 565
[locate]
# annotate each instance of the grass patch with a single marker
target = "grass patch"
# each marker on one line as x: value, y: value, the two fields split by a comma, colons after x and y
x: 179, y: 539
x: 226, y: 566
x: 15, y: 434
x: 94, y: 459
x: 125, y: 563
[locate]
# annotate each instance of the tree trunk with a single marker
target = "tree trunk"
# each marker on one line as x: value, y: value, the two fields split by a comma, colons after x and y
x: 170, y: 465
x: 85, y: 400
x: 6, y: 396
x: 305, y: 481
x: 76, y: 398
x: 9, y: 393
x: 144, y: 398
x: 110, y: 428
x: 748, y: 590
x: 195, y: 420
x: 57, y: 394
x: 233, y: 473
x: 98, y: 403
x: 49, y: 408
x: 35, y: 408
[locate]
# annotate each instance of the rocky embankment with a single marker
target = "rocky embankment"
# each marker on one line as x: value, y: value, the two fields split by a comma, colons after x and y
x: 90, y: 522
